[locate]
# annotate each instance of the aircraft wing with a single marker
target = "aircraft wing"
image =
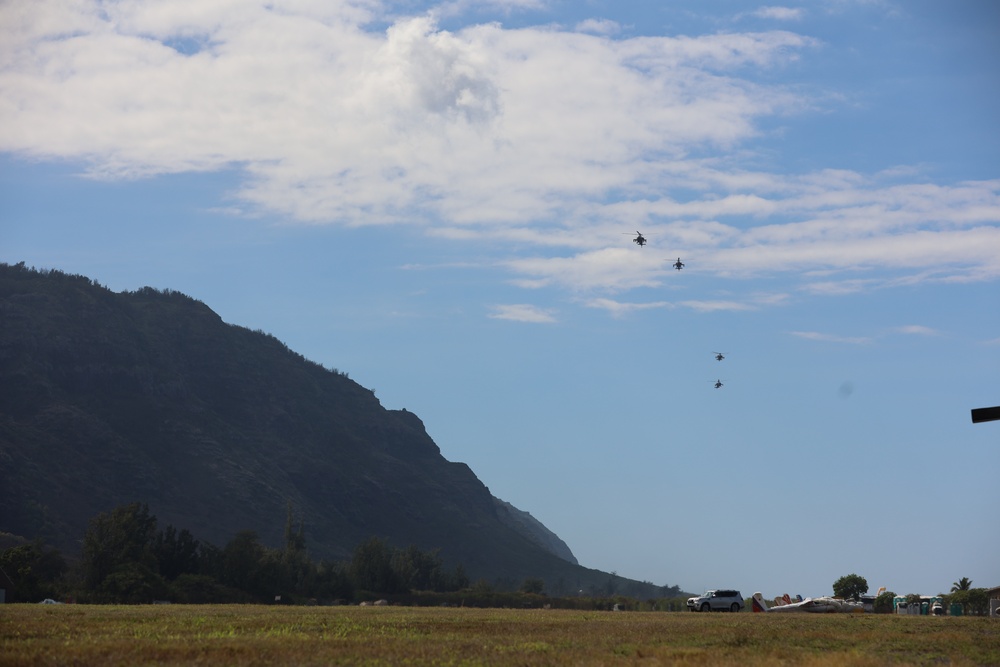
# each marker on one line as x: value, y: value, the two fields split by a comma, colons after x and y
x: 820, y: 605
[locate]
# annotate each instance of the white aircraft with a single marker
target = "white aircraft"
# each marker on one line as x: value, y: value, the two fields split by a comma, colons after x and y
x: 820, y: 605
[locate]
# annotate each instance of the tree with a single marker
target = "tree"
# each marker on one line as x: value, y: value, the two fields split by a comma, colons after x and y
x: 371, y: 568
x: 458, y: 580
x: 533, y: 585
x: 424, y: 571
x: 176, y: 553
x: 133, y: 583
x: 333, y: 581
x: 962, y: 584
x: 961, y: 598
x: 295, y: 540
x: 979, y: 601
x: 974, y: 600
x: 35, y: 572
x: 482, y: 587
x: 115, y: 539
x: 850, y: 587
x: 884, y: 602
x: 419, y: 571
x: 242, y: 562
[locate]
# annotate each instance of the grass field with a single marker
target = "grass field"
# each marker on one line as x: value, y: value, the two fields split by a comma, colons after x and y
x: 242, y: 635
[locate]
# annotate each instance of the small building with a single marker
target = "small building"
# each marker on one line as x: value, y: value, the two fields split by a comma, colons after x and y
x: 993, y: 594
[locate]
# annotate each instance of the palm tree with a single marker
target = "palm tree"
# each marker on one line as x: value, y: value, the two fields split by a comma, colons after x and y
x: 962, y: 584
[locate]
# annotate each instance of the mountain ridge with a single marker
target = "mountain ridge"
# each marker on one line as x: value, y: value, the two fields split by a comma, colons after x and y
x: 107, y: 398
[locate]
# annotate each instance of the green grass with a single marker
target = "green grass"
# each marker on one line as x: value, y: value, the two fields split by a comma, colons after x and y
x: 245, y: 635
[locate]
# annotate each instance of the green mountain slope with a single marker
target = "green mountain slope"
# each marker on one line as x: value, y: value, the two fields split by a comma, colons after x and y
x: 108, y: 398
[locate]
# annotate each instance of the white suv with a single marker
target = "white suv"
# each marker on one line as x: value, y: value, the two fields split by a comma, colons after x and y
x: 720, y: 600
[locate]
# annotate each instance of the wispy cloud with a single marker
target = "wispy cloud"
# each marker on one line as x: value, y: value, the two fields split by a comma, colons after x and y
x: 611, y: 269
x: 831, y: 338
x: 451, y: 8
x: 599, y: 27
x: 917, y: 330
x: 714, y: 306
x: 520, y: 312
x: 838, y: 287
x: 620, y: 309
x: 753, y: 302
x: 778, y: 13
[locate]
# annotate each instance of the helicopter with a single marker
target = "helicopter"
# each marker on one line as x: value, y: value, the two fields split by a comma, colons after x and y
x: 678, y: 264
x: 639, y: 239
x: 718, y: 384
x: 719, y: 356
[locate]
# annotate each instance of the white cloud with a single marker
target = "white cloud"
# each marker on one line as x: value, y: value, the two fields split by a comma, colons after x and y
x: 889, y: 7
x: 612, y: 269
x: 520, y: 312
x: 543, y: 138
x: 917, y: 330
x: 779, y: 13
x: 599, y: 27
x: 336, y: 124
x: 708, y: 306
x: 620, y: 309
x: 460, y: 7
x: 833, y: 287
x: 831, y: 338
x: 751, y: 302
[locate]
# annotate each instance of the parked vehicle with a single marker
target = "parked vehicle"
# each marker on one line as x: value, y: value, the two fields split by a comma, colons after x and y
x: 717, y: 600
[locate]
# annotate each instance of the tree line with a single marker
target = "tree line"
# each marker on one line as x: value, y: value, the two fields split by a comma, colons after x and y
x: 127, y: 558
x: 972, y: 600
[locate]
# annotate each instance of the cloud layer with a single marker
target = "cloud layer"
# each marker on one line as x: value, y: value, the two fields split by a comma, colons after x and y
x: 557, y: 138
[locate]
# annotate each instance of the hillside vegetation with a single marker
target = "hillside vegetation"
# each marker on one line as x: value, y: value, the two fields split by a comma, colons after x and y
x: 148, y: 396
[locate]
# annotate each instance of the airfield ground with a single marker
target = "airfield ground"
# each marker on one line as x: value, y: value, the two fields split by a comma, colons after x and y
x: 241, y: 635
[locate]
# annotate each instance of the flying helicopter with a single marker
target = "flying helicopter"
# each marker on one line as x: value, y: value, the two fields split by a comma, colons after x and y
x: 719, y: 356
x: 678, y: 264
x: 639, y: 239
x: 718, y: 384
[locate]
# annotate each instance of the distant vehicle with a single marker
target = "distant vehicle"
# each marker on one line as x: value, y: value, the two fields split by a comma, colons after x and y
x: 717, y: 600
x: 639, y: 239
x: 718, y: 384
x: 719, y: 356
x: 678, y: 264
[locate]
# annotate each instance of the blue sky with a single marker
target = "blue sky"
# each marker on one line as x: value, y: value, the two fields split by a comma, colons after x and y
x: 439, y: 198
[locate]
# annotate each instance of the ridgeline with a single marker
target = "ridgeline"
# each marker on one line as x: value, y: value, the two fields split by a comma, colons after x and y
x: 110, y: 398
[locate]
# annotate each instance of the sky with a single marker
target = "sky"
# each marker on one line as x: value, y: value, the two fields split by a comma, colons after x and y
x: 440, y: 199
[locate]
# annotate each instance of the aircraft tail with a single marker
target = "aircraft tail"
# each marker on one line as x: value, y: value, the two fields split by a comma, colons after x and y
x: 758, y: 603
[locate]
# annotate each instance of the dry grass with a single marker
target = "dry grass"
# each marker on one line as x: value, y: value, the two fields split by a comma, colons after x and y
x: 239, y: 635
